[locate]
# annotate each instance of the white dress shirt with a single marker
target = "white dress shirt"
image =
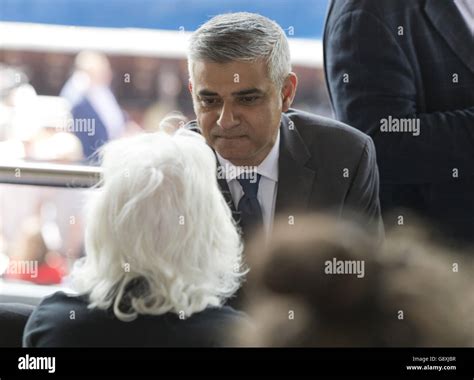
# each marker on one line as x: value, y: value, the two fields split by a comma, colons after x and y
x: 268, y: 186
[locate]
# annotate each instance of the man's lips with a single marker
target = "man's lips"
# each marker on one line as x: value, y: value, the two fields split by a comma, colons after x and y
x: 230, y: 137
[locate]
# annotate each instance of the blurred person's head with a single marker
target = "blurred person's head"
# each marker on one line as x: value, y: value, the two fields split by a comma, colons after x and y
x: 25, y: 108
x: 96, y: 66
x: 18, y: 112
x: 307, y: 289
x: 172, y: 122
x: 159, y: 236
x: 31, y: 258
x: 241, y: 82
x: 29, y: 244
x: 53, y: 141
x: 10, y: 79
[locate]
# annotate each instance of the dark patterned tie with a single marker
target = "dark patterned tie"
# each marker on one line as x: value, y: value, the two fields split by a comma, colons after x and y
x: 250, y: 212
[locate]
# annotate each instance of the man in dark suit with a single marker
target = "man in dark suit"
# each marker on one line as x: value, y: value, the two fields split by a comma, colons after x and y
x: 403, y: 72
x: 89, y: 128
x: 97, y: 116
x: 242, y: 88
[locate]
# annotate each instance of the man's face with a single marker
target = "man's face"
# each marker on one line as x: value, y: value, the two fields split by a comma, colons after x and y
x: 238, y: 109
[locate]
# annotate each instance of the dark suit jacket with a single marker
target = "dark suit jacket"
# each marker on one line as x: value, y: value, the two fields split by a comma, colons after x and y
x: 13, y: 317
x: 50, y: 325
x: 325, y: 166
x: 409, y: 59
x: 90, y: 142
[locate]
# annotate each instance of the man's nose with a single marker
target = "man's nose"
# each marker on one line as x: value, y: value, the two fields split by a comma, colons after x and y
x: 227, y: 118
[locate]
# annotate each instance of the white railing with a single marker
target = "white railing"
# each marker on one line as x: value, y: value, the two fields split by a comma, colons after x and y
x: 127, y: 41
x: 46, y: 174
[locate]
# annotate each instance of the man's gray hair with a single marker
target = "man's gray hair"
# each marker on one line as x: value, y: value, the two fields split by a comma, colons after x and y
x: 242, y: 36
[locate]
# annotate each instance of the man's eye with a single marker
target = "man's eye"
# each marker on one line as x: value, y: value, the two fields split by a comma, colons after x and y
x: 209, y: 101
x: 248, y: 99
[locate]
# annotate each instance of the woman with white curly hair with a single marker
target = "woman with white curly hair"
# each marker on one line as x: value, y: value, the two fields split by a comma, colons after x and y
x: 162, y: 253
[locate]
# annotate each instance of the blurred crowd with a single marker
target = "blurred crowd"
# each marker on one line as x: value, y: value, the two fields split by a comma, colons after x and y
x: 44, y: 225
x: 69, y: 128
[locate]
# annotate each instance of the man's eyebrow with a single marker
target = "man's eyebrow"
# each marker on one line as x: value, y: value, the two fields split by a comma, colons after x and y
x: 207, y: 93
x: 249, y: 91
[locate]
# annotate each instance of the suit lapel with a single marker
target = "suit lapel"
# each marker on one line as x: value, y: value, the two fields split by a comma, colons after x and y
x: 449, y: 23
x: 295, y: 180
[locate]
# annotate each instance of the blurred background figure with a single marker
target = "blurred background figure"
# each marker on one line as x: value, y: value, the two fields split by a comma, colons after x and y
x: 18, y: 113
x: 32, y: 259
x: 10, y: 80
x: 96, y: 113
x: 324, y: 283
x: 91, y: 69
x: 163, y: 253
x: 32, y: 126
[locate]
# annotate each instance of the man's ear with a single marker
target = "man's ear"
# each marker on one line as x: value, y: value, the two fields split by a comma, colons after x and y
x: 190, y: 86
x: 288, y: 91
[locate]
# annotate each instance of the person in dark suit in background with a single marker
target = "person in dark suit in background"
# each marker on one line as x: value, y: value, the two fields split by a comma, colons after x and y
x: 152, y: 276
x: 403, y: 72
x: 96, y: 113
x: 242, y: 88
x: 94, y: 134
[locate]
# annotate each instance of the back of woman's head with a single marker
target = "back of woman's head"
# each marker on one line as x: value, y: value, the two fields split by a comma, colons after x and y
x: 159, y: 237
x: 324, y: 282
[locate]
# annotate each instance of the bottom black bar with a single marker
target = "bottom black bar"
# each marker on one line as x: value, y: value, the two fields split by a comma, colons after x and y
x: 433, y: 363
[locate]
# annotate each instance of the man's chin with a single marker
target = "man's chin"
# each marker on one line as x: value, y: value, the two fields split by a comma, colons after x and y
x: 232, y: 147
x: 236, y: 158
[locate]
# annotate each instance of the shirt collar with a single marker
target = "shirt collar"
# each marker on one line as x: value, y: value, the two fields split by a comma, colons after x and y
x: 268, y: 167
